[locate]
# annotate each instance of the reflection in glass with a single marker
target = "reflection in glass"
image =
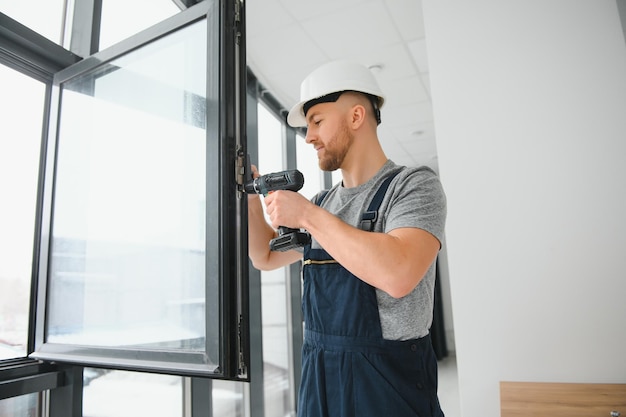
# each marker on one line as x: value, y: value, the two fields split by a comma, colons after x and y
x: 128, y: 250
x: 23, y: 406
x: 134, y: 394
x: 21, y: 107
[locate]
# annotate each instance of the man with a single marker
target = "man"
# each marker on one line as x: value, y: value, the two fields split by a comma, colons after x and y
x: 369, y: 271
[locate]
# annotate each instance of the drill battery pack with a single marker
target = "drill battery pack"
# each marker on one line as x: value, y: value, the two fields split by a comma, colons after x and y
x: 289, y: 239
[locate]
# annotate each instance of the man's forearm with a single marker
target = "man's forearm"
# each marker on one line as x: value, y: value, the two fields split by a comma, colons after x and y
x: 259, y: 235
x: 394, y: 262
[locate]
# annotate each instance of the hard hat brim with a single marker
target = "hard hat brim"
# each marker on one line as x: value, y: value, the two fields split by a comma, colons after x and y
x: 295, y: 117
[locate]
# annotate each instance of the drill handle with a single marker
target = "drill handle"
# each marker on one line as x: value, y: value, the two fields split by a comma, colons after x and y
x: 289, y: 239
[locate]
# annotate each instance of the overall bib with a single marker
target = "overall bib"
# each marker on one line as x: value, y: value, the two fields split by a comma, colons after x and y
x: 348, y: 369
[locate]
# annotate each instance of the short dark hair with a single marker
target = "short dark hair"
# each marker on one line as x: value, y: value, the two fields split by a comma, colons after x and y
x: 333, y: 97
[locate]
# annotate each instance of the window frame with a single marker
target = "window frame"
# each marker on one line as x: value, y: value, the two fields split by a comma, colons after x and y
x: 229, y: 44
x: 32, y: 54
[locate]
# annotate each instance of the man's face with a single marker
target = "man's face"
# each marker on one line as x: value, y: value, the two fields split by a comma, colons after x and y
x: 327, y: 131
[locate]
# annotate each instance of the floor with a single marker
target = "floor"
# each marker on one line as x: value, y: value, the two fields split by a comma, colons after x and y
x: 449, y: 387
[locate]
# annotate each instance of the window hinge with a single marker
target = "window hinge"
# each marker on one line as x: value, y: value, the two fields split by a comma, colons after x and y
x: 237, y: 11
x: 243, y: 370
x: 240, y: 168
x: 238, y: 7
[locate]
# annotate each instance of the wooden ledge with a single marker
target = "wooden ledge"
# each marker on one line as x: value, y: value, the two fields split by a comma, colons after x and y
x: 546, y: 399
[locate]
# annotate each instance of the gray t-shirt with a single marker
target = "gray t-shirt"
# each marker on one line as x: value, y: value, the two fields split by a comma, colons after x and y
x: 415, y: 198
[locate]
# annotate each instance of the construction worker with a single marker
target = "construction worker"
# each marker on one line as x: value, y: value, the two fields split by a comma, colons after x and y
x: 369, y: 271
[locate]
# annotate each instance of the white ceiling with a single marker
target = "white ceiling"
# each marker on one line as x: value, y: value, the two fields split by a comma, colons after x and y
x: 287, y: 39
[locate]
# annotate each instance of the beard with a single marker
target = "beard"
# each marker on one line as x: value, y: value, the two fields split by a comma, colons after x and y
x: 336, y: 149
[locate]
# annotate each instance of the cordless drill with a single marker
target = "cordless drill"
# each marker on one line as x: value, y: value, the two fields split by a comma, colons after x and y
x: 291, y: 180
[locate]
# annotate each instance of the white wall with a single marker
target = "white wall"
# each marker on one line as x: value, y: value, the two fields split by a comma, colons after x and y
x: 530, y: 113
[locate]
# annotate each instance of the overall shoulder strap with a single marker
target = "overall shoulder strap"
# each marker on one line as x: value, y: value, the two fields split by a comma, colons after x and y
x: 369, y: 217
x: 320, y: 197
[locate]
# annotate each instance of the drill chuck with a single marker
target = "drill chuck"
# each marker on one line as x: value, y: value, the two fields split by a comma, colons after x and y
x: 291, y: 180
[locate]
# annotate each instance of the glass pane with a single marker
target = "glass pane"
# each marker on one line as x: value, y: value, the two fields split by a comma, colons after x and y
x: 21, y: 106
x: 134, y: 394
x: 123, y: 18
x: 270, y: 142
x: 128, y: 250
x: 307, y: 163
x: 42, y: 16
x: 276, y: 364
x: 228, y: 399
x: 22, y: 406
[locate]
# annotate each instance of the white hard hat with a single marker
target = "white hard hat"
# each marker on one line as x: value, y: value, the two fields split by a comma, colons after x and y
x: 330, y: 78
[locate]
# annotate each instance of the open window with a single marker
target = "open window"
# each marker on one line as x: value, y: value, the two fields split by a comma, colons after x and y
x: 143, y: 252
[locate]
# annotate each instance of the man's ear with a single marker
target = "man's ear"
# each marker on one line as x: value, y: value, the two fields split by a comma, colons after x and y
x: 357, y: 116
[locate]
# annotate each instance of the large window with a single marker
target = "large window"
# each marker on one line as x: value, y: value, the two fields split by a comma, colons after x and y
x: 128, y: 253
x: 21, y: 107
x: 139, y: 265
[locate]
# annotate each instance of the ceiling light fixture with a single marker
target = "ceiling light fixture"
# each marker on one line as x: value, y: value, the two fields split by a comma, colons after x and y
x: 376, y: 68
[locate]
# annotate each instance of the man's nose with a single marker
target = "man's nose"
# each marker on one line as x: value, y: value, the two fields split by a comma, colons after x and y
x: 309, y: 137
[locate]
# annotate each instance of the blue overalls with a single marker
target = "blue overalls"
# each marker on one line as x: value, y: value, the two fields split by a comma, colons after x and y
x: 348, y: 369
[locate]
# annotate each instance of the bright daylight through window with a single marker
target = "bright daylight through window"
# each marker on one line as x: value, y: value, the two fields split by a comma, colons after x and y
x: 21, y: 107
x: 127, y: 263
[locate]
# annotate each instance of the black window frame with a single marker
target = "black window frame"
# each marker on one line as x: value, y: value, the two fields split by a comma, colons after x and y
x: 60, y: 385
x: 228, y: 157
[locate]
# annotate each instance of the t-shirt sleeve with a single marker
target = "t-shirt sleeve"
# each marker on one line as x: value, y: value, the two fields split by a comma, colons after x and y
x: 418, y: 200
